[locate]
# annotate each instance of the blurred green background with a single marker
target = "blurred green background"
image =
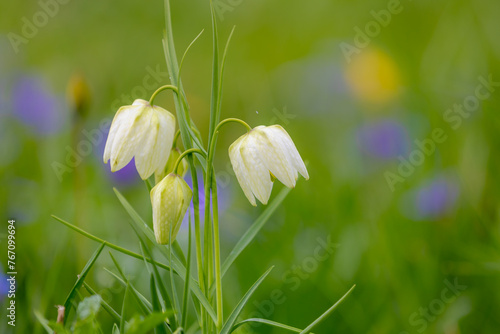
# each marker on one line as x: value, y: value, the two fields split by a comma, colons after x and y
x: 359, y: 85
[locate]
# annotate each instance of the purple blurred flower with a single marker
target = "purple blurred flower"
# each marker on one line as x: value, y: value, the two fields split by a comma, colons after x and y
x: 126, y: 176
x: 437, y: 198
x: 433, y: 200
x: 36, y: 107
x: 4, y: 286
x: 385, y: 139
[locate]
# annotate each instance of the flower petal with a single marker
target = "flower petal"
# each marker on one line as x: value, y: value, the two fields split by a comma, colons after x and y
x: 285, y: 142
x: 240, y: 170
x: 126, y: 137
x: 258, y: 176
x: 274, y: 157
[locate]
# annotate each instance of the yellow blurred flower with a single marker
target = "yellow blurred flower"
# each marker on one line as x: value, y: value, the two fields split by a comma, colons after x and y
x: 373, y: 77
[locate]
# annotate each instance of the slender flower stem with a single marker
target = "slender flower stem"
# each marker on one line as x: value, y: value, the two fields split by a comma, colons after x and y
x: 187, y: 141
x: 218, y: 274
x: 162, y: 88
x: 211, y: 186
x: 191, y: 150
x: 176, y: 136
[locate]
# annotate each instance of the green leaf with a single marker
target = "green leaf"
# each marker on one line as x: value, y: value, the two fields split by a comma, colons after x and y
x: 79, y: 281
x: 160, y: 329
x: 237, y: 310
x: 44, y: 322
x: 158, y: 279
x: 254, y: 229
x: 266, y: 322
x: 124, y: 309
x: 105, y: 305
x: 327, y: 313
x: 142, y: 301
x: 108, y: 244
x: 88, y: 307
x: 86, y: 313
x: 142, y: 325
x: 116, y: 330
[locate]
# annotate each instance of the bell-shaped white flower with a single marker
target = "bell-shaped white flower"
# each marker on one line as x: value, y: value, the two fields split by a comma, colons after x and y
x: 170, y: 200
x: 142, y: 131
x: 262, y: 153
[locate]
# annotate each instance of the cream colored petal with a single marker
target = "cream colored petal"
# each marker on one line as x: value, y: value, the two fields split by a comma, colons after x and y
x: 165, y: 138
x: 141, y: 102
x: 115, y: 125
x: 127, y: 137
x: 275, y: 159
x: 257, y: 174
x: 144, y: 157
x: 239, y: 169
x: 284, y: 141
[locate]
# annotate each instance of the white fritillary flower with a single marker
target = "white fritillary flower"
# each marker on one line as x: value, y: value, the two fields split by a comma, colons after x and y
x: 142, y: 131
x: 262, y: 153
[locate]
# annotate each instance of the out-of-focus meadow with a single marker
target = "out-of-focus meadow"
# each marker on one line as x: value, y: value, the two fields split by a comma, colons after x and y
x: 394, y: 106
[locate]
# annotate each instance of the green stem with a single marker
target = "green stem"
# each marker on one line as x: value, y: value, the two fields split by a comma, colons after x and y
x: 218, y: 274
x: 188, y: 274
x: 176, y: 136
x: 187, y: 141
x: 162, y: 88
x: 191, y: 150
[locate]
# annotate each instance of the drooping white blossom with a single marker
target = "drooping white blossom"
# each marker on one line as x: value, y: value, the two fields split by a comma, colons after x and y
x: 264, y: 152
x: 142, y: 131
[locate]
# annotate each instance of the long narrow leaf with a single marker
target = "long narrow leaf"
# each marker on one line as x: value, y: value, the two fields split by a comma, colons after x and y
x: 108, y: 244
x: 44, y: 322
x: 79, y: 281
x: 254, y: 229
x: 266, y: 322
x: 161, y: 328
x: 327, y: 313
x: 116, y: 316
x: 237, y: 310
x: 143, y: 303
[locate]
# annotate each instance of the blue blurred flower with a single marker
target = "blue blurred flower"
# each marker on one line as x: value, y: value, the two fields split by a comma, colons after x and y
x: 437, y: 198
x: 126, y: 176
x: 384, y: 139
x: 36, y: 107
x: 433, y: 200
x: 4, y: 286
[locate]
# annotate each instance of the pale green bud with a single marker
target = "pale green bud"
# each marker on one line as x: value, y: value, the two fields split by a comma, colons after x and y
x: 170, y: 200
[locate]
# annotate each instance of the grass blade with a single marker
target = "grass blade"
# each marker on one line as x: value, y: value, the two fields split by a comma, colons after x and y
x: 254, y: 229
x: 79, y: 281
x: 104, y: 305
x: 108, y: 244
x: 142, y: 301
x: 160, y: 329
x: 237, y: 310
x: 267, y: 322
x: 185, y: 298
x: 44, y: 322
x: 327, y: 313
